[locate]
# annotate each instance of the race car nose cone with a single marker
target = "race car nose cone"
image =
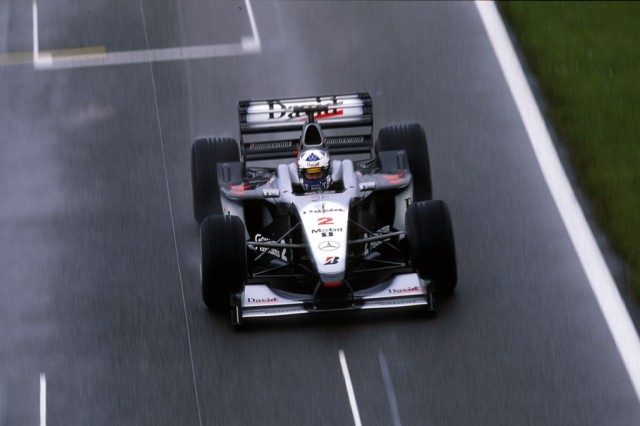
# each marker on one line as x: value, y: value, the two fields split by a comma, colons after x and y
x: 333, y: 283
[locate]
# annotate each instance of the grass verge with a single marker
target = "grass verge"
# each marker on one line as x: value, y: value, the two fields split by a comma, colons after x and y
x: 586, y: 58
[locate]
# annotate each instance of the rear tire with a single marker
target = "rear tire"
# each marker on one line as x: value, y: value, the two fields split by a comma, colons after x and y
x: 224, y: 260
x: 431, y: 244
x: 205, y: 154
x: 412, y: 139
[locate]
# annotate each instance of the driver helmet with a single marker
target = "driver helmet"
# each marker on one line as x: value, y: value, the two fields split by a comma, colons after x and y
x: 314, y: 167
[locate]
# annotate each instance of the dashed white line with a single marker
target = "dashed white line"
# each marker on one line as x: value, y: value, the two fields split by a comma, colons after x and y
x: 600, y: 279
x: 350, y: 392
x: 43, y: 400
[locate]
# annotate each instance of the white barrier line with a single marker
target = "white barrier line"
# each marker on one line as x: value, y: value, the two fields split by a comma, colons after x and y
x: 43, y: 400
x: 352, y: 395
x: 600, y: 279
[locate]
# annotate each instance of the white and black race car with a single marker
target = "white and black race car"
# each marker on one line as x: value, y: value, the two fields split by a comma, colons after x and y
x: 271, y: 245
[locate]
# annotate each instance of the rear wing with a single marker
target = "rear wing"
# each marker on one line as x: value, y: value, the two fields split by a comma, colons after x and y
x: 271, y: 129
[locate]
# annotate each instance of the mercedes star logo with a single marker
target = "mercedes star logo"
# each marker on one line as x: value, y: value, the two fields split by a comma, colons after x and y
x: 328, y: 246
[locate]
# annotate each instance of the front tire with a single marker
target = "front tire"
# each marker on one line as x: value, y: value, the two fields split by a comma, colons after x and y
x: 205, y: 154
x: 224, y: 260
x: 412, y: 139
x: 431, y: 244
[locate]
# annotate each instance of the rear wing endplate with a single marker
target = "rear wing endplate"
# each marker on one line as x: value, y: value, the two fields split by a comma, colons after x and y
x: 272, y: 128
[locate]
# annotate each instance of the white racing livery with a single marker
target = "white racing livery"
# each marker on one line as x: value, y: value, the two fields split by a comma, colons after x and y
x: 309, y: 214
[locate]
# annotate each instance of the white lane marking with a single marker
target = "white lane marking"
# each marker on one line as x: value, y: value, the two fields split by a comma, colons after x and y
x: 352, y: 395
x: 251, y: 44
x: 36, y: 47
x: 39, y: 60
x: 595, y: 267
x: 45, y: 60
x: 173, y: 225
x: 43, y: 400
x: 388, y: 385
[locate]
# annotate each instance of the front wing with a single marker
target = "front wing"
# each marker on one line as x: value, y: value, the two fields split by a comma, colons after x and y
x: 401, y: 291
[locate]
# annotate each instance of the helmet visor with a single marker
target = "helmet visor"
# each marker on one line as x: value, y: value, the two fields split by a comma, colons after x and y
x: 314, y: 173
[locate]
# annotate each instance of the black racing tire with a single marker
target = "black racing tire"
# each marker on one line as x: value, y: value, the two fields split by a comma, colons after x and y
x: 205, y: 153
x: 412, y: 139
x: 224, y: 260
x: 431, y: 244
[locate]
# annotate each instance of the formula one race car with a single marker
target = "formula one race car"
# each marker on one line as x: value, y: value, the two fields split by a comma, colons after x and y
x: 308, y: 214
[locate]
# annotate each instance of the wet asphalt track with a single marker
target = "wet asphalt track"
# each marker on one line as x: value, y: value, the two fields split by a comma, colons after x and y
x: 99, y: 253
